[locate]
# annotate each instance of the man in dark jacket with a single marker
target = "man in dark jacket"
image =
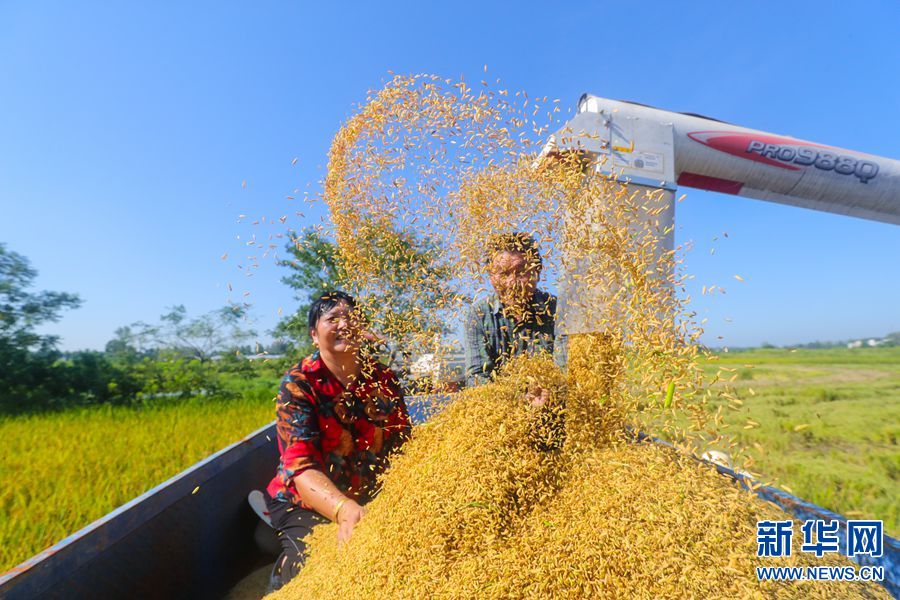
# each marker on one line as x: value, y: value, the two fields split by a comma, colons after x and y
x: 518, y: 317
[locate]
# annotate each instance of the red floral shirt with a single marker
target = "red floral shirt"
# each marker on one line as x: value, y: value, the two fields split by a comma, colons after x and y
x: 345, y: 433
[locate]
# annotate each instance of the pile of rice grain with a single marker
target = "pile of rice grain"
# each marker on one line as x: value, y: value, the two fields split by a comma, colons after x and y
x: 472, y: 510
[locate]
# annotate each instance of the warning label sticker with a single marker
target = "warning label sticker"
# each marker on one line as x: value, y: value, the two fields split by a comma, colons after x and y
x: 643, y: 161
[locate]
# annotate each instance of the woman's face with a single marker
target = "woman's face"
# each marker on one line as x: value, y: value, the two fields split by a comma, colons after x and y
x: 337, y: 330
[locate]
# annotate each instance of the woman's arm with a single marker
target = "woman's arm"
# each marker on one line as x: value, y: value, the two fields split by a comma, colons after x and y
x: 298, y: 418
x: 320, y: 493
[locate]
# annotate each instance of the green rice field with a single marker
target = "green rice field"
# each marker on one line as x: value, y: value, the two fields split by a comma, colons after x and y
x: 61, y: 471
x: 828, y: 426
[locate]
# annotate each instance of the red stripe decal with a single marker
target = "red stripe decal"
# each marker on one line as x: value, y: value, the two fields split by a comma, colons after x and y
x: 713, y: 184
x: 756, y: 146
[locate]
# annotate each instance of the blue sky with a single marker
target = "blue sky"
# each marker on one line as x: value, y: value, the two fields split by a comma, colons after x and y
x: 127, y: 129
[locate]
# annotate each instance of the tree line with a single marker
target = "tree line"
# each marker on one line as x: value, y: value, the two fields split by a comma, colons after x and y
x: 177, y: 356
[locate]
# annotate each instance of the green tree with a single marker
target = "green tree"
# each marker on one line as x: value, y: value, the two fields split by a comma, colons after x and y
x: 173, y: 358
x: 409, y: 283
x: 22, y: 311
x: 33, y: 374
x: 314, y: 268
x: 200, y: 338
x: 131, y: 343
x: 172, y: 374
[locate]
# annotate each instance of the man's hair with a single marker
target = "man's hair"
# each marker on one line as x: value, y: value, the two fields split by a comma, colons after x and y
x: 326, y: 302
x: 519, y: 242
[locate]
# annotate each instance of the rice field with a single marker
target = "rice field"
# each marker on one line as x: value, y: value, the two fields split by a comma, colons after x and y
x: 824, y: 424
x: 61, y: 471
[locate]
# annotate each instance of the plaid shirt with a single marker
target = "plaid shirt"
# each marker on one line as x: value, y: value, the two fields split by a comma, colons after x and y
x: 491, y: 335
x: 345, y: 433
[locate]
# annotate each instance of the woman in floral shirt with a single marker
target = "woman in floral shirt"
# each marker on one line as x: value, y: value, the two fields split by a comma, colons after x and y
x: 339, y: 418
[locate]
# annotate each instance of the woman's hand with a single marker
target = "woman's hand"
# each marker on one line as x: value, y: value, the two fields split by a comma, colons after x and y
x: 347, y: 518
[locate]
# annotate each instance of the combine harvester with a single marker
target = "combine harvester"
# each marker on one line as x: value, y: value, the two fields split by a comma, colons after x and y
x: 195, y: 536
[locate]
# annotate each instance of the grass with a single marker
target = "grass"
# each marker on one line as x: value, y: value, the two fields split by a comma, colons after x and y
x: 61, y: 471
x: 829, y: 423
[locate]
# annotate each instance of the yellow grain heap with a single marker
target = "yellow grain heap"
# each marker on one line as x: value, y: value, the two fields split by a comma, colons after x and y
x: 493, y: 498
x: 472, y: 510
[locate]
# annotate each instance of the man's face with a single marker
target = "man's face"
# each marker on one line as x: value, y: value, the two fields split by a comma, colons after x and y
x: 514, y: 278
x: 338, y: 330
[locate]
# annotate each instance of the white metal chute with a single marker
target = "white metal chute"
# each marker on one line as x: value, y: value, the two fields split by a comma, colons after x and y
x: 708, y: 154
x: 654, y: 151
x: 649, y: 172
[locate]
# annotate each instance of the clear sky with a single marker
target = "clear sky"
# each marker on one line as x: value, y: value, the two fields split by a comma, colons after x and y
x: 127, y: 129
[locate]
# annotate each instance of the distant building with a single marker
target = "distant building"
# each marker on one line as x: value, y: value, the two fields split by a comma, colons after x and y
x: 264, y: 356
x: 870, y: 343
